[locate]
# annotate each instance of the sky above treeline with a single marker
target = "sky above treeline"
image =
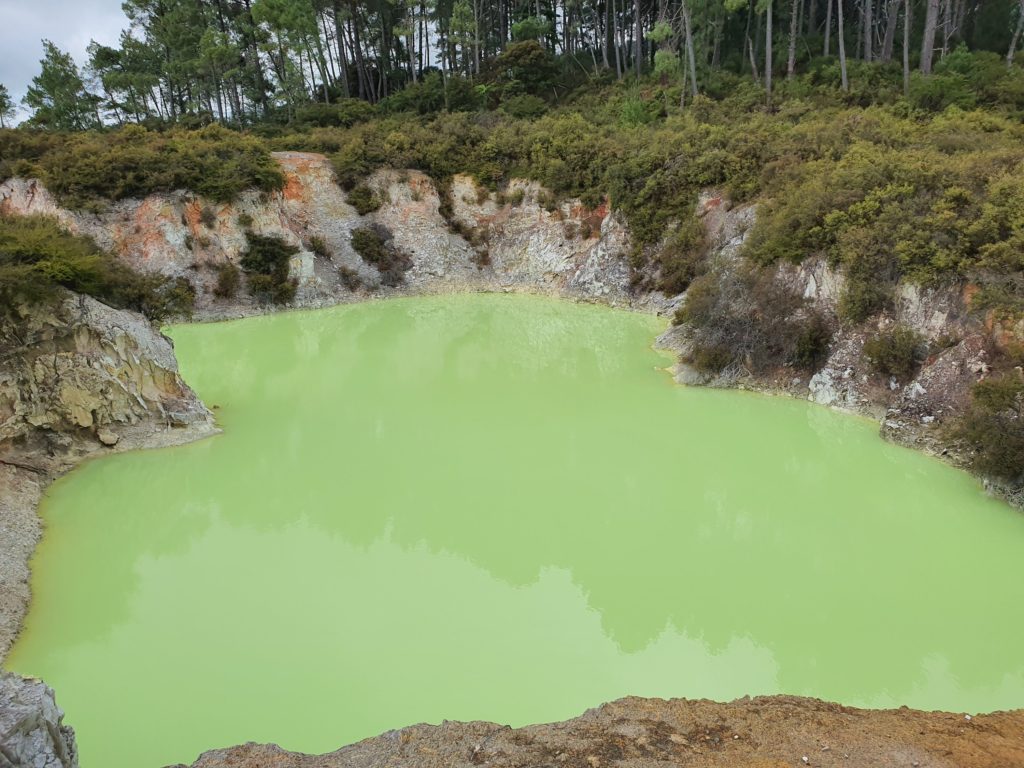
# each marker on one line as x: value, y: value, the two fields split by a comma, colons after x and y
x: 71, y: 24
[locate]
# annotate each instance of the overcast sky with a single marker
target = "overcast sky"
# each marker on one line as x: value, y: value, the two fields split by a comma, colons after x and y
x: 71, y: 24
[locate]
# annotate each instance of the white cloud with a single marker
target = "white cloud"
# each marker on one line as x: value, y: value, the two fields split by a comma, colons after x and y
x: 70, y: 24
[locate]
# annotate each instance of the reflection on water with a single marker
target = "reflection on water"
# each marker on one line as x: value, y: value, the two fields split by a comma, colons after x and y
x: 492, y: 507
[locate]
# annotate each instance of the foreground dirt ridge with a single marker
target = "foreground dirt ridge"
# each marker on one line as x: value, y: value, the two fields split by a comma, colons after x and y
x: 763, y: 732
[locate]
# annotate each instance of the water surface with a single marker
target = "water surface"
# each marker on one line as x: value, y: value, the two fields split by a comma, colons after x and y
x: 500, y: 508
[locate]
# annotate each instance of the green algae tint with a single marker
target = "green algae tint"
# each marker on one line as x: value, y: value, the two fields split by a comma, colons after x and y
x: 500, y: 508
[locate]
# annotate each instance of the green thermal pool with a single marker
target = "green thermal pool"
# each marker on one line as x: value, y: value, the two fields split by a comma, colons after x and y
x: 500, y: 508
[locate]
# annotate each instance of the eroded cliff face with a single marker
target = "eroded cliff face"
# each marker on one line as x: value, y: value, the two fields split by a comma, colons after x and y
x: 916, y: 413
x: 77, y: 379
x: 569, y: 251
x: 32, y: 729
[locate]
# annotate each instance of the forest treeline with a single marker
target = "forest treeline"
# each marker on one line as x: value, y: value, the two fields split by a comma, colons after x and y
x: 249, y: 61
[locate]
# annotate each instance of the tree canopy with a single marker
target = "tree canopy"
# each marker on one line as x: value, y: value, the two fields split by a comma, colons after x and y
x: 250, y: 61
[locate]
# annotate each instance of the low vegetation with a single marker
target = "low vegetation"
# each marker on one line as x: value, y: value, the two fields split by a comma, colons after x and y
x: 745, y: 319
x: 897, y: 352
x: 363, y: 199
x: 375, y: 246
x: 229, y: 278
x: 266, y: 263
x: 88, y: 170
x: 39, y: 261
x: 993, y: 427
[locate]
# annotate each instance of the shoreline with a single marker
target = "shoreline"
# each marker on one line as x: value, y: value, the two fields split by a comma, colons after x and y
x: 760, y: 732
x: 29, y: 484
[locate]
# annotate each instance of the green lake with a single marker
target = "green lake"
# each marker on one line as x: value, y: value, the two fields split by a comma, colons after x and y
x: 500, y: 508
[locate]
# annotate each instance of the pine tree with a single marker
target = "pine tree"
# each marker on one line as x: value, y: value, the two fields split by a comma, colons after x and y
x: 58, y: 96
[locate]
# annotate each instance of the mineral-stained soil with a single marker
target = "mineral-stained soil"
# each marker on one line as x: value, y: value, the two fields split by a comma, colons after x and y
x: 762, y: 732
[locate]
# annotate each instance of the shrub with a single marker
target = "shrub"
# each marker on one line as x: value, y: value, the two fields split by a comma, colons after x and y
x: 319, y: 247
x: 861, y: 299
x: 812, y: 343
x: 84, y: 170
x: 374, y: 246
x: 896, y: 353
x: 266, y: 263
x: 994, y: 427
x: 524, y: 107
x: 680, y: 259
x: 744, y: 317
x: 350, y: 278
x: 208, y: 217
x: 229, y: 277
x: 344, y: 114
x: 364, y: 200
x: 244, y: 220
x: 38, y: 259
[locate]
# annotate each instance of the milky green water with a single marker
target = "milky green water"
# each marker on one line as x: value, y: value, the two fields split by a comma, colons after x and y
x: 500, y: 508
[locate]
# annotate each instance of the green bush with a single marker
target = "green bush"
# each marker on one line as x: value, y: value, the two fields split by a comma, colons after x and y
x: 38, y: 259
x: 897, y: 352
x: 524, y: 107
x: 364, y: 200
x: 319, y: 247
x: 350, y: 278
x: 342, y: 114
x: 994, y: 427
x: 745, y: 318
x: 86, y: 170
x: 229, y: 278
x: 372, y: 244
x: 266, y: 264
x: 208, y: 217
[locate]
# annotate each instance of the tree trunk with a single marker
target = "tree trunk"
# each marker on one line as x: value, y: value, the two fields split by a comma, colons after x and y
x: 339, y: 32
x: 841, y: 35
x: 794, y: 28
x: 638, y: 41
x: 768, y: 54
x: 1015, y: 40
x: 906, y: 48
x: 931, y: 18
x: 869, y: 27
x: 615, y: 36
x: 753, y: 61
x: 947, y: 14
x: 828, y: 24
x: 891, y: 17
x: 688, y: 30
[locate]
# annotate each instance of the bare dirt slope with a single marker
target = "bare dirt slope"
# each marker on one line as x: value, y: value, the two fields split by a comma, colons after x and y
x: 764, y: 732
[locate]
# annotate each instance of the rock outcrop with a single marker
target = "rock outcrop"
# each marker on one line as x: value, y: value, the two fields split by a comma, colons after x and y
x: 77, y: 379
x: 764, y: 732
x: 32, y: 730
x: 569, y: 250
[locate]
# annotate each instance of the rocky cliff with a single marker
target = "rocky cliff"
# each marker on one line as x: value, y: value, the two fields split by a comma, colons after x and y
x: 523, y: 243
x: 77, y: 379
x: 32, y: 730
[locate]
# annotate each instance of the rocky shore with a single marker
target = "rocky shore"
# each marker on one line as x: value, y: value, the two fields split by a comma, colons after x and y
x: 82, y: 380
x: 763, y: 732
